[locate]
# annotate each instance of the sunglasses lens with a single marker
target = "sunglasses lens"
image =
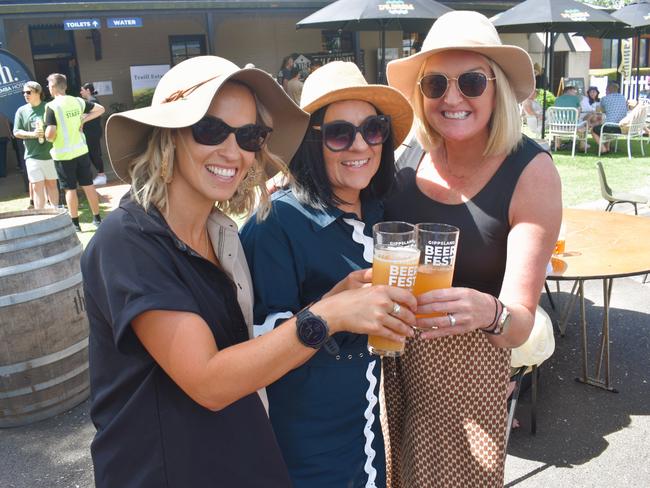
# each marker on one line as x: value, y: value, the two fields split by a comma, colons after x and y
x: 210, y: 131
x: 472, y: 84
x: 27, y: 93
x: 252, y: 137
x: 433, y: 86
x: 375, y: 130
x: 339, y: 136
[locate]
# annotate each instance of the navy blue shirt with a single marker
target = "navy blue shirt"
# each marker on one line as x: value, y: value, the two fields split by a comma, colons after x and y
x: 325, y: 413
x: 150, y: 434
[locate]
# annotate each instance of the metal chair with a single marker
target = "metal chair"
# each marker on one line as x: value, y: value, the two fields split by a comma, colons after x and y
x: 614, y: 198
x: 633, y: 130
x: 563, y: 123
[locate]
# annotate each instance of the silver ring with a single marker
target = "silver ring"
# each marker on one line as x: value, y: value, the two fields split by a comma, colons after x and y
x: 452, y: 319
x: 396, y: 308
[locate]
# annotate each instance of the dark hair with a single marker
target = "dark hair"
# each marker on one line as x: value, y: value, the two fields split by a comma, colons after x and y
x: 596, y: 98
x: 295, y: 71
x: 91, y: 87
x: 309, y: 180
x: 284, y: 61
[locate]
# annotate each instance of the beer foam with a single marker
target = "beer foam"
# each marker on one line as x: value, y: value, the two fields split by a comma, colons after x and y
x: 397, y: 255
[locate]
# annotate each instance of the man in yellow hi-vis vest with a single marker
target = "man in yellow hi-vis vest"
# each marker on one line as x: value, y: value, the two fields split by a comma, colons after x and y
x: 64, y: 119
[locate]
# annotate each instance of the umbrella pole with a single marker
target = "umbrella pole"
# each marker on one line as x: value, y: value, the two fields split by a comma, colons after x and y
x: 638, y: 63
x: 382, y: 47
x: 544, y: 82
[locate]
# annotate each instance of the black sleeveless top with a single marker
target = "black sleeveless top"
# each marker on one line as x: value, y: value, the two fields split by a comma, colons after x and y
x: 483, y: 220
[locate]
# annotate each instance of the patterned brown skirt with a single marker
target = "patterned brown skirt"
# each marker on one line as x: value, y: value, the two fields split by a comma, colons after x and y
x: 445, y: 413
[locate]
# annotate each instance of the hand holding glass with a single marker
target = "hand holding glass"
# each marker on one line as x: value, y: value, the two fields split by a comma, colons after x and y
x: 394, y: 263
x: 437, y: 244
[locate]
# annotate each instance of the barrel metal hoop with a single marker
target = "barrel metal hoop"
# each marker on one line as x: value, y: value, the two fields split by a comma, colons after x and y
x: 36, y: 241
x: 44, y: 404
x: 43, y: 360
x: 36, y: 293
x: 41, y: 263
x: 28, y: 390
x: 60, y: 219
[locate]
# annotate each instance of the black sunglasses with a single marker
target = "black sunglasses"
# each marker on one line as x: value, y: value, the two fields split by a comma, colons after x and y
x: 212, y: 131
x: 339, y: 135
x: 27, y: 92
x: 471, y: 84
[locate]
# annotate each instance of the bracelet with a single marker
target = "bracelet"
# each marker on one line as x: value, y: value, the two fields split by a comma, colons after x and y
x: 496, y: 315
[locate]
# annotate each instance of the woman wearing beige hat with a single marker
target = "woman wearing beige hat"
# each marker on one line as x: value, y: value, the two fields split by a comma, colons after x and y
x: 326, y: 413
x: 174, y: 378
x: 446, y: 403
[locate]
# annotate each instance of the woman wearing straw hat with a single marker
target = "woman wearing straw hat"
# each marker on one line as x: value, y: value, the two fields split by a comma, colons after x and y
x: 325, y: 413
x: 174, y: 379
x: 446, y: 404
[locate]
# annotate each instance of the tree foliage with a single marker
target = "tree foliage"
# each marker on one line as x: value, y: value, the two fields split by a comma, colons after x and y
x: 614, y: 4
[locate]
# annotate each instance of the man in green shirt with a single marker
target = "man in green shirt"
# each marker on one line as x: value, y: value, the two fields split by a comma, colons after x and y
x: 28, y: 126
x: 64, y: 119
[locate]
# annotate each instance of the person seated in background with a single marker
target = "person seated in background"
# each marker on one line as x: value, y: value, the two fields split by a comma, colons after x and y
x: 589, y: 106
x: 532, y: 112
x: 569, y: 98
x: 614, y: 106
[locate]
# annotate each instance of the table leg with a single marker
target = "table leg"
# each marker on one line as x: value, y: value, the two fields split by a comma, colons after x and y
x: 604, y: 343
x: 566, y: 309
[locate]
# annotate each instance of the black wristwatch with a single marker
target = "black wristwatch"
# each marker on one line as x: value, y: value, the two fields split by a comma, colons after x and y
x: 313, y: 332
x: 502, y: 322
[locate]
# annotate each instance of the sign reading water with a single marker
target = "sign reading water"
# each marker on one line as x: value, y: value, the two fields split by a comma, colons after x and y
x: 122, y: 22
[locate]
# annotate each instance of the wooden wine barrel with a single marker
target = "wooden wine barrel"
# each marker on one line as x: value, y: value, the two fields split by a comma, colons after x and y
x: 43, y: 323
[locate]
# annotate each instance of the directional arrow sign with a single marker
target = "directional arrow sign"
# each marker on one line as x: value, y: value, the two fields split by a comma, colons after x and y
x: 81, y: 24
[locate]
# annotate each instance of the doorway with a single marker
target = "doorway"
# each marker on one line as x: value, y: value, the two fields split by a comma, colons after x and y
x: 53, y: 51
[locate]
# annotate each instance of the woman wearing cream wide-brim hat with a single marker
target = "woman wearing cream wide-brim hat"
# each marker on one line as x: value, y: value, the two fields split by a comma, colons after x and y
x: 174, y: 377
x: 319, y: 231
x: 446, y: 405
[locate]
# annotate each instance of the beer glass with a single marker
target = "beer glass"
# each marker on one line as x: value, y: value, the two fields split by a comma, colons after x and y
x: 437, y: 244
x: 394, y: 263
x: 560, y: 244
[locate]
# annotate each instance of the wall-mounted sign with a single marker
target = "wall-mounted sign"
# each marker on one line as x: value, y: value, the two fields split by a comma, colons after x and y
x: 121, y: 22
x: 103, y: 87
x: 81, y: 24
x: 143, y: 82
x: 13, y: 75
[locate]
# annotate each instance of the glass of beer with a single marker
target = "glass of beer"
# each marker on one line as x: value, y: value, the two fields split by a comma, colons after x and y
x: 560, y: 244
x: 437, y: 244
x: 395, y: 263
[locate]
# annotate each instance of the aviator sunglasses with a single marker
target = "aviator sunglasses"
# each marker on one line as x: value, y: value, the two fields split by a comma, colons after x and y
x: 212, y: 131
x: 27, y: 92
x: 471, y: 84
x: 339, y: 135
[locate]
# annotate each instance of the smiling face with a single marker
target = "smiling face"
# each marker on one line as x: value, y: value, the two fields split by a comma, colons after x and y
x: 351, y: 170
x: 213, y: 173
x: 455, y: 117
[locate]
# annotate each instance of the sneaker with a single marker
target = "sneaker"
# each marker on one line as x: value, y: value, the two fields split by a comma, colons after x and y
x: 30, y: 206
x: 77, y: 227
x: 96, y: 223
x: 99, y: 180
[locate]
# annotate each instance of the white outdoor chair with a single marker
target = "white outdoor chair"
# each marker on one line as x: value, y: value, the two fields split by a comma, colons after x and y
x: 563, y: 123
x: 635, y: 130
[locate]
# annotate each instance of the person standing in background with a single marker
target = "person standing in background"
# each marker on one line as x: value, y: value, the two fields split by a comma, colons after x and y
x: 285, y: 72
x: 93, y: 132
x: 294, y: 87
x: 64, y: 117
x: 5, y: 137
x: 29, y: 126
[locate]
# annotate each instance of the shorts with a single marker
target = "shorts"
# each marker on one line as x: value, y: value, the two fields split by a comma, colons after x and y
x: 75, y: 171
x: 40, y: 169
x: 608, y: 129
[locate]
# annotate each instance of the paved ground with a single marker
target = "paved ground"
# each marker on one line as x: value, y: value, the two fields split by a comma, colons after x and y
x: 586, y: 437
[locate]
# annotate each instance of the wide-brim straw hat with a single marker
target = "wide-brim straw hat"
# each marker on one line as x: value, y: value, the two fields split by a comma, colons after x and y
x: 342, y: 80
x: 469, y: 31
x: 183, y: 96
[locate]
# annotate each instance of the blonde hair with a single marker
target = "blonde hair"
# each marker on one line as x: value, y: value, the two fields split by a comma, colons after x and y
x: 152, y: 170
x: 504, y: 125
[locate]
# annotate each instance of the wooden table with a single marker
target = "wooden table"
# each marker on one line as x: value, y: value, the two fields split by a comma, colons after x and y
x: 599, y: 246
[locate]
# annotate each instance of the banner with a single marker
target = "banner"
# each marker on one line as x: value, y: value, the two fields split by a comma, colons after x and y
x: 626, y: 63
x: 143, y: 82
x: 13, y: 75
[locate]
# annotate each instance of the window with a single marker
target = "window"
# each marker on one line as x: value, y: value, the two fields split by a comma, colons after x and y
x: 338, y: 41
x: 185, y: 47
x: 411, y: 43
x: 643, y: 60
x: 610, y: 53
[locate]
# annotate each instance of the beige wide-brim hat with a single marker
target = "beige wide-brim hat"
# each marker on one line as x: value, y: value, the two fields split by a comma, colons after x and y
x: 183, y: 96
x: 342, y: 80
x: 469, y: 31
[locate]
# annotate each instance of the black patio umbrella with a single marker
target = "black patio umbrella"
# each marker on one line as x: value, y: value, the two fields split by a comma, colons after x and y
x: 554, y: 16
x: 376, y: 15
x: 637, y: 16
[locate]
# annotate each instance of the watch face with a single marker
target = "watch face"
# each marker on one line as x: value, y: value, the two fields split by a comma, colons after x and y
x: 312, y: 331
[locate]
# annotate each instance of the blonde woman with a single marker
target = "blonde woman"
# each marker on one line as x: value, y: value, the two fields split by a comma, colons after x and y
x: 177, y: 387
x: 446, y: 400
